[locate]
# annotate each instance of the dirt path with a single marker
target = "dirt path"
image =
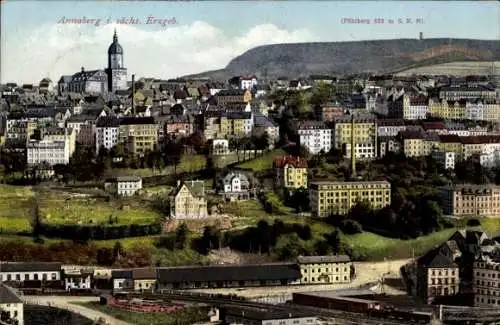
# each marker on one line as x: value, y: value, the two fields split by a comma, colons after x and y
x: 64, y: 303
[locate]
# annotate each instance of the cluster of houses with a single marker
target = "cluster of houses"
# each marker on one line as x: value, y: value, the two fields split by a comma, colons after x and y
x: 305, y: 270
x: 467, y: 265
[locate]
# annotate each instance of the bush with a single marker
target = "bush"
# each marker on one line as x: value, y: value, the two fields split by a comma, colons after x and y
x: 473, y: 223
x: 350, y: 227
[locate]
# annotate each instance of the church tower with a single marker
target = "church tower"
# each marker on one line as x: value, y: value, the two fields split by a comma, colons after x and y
x: 117, y: 74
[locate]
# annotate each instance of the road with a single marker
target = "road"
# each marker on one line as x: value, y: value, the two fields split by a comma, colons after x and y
x: 63, y: 303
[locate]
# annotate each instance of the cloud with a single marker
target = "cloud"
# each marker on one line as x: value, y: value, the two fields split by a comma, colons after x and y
x: 62, y: 49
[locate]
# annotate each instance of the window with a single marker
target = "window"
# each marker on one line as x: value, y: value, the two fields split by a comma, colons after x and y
x: 26, y: 277
x: 9, y: 277
x: 18, y: 277
x: 53, y: 276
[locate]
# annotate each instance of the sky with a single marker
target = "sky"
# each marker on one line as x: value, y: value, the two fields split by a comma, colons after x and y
x: 195, y: 36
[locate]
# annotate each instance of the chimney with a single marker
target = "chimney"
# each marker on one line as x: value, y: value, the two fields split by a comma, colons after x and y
x: 421, y: 36
x: 133, y: 94
x: 83, y: 69
x: 353, y: 150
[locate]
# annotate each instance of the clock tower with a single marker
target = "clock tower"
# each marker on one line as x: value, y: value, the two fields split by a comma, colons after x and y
x: 117, y: 74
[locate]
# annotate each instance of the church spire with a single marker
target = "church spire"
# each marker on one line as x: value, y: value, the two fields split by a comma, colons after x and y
x: 115, y: 37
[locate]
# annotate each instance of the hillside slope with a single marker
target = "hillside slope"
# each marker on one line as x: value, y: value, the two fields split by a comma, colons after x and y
x: 303, y: 59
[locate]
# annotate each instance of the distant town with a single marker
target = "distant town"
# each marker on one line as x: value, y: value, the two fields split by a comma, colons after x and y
x: 327, y: 199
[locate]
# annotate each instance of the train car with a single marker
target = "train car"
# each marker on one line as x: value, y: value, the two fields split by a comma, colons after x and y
x: 348, y: 304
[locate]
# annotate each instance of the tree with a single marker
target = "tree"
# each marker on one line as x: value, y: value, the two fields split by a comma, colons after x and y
x: 333, y: 239
x: 288, y: 247
x: 181, y: 236
x: 35, y: 218
x: 117, y: 251
x: 351, y: 227
x: 321, y: 94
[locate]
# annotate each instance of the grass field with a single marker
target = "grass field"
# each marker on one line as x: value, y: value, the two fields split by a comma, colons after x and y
x: 186, y: 317
x: 188, y: 163
x: 263, y: 162
x: 14, y: 208
x: 62, y: 209
x: 58, y: 207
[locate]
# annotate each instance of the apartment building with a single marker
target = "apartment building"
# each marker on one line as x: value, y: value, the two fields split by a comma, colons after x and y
x: 138, y: 133
x: 188, y: 201
x: 325, y: 269
x: 291, y: 172
x: 106, y: 132
x: 47, y: 152
x: 61, y: 134
x: 437, y: 276
x: 315, y: 136
x: 471, y: 200
x: 228, y: 96
x: 415, y: 107
x: 339, y: 197
x: 486, y: 281
x: 364, y: 128
x: 224, y: 125
x: 455, y: 92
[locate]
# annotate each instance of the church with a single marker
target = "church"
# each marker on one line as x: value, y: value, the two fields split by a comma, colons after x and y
x: 113, y: 78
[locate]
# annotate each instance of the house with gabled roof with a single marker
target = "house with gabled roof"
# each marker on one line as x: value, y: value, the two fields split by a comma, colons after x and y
x: 188, y: 201
x: 437, y: 276
x: 12, y: 304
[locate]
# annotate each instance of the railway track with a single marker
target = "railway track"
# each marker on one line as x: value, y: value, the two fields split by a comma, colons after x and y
x: 332, y: 314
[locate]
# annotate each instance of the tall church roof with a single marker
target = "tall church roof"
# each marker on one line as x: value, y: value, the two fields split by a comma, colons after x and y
x: 115, y: 47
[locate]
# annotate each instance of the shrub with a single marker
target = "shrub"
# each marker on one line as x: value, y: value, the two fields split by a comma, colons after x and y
x: 473, y: 223
x: 350, y: 227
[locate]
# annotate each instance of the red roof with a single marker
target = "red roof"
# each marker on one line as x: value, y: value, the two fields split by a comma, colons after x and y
x: 297, y: 162
x: 434, y: 126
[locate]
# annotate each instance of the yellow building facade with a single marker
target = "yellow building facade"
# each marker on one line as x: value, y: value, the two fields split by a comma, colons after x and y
x: 325, y: 269
x: 365, y: 132
x: 291, y: 172
x: 139, y: 134
x: 339, y: 197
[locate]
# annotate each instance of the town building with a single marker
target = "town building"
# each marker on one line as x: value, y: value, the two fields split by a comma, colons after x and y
x: 339, y: 197
x: 291, y: 172
x: 139, y: 134
x: 67, y: 135
x: 328, y: 112
x: 227, y: 276
x: 188, y: 201
x: 235, y: 186
x: 486, y: 280
x: 325, y: 269
x: 364, y: 138
x: 228, y: 96
x: 24, y: 271
x: 471, y: 200
x: 457, y: 92
x: 106, y: 132
x: 124, y: 186
x: 11, y: 303
x: 47, y: 152
x: 220, y: 147
x: 437, y: 276
x: 315, y: 136
x: 444, y: 159
x: 116, y: 71
x: 138, y: 279
x: 84, y: 125
x: 77, y: 280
